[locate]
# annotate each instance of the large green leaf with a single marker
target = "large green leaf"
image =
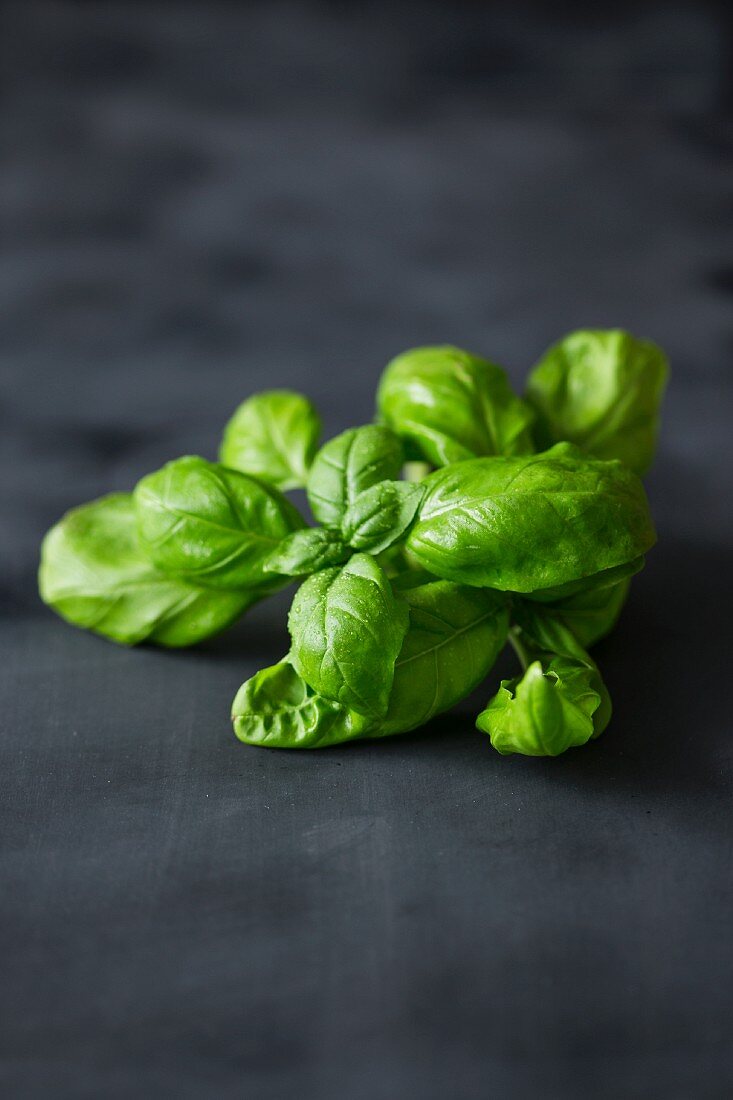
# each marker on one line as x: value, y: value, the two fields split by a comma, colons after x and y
x: 449, y: 405
x: 95, y: 574
x: 212, y: 525
x: 347, y: 465
x: 455, y: 635
x: 601, y: 389
x: 532, y: 522
x: 273, y: 436
x: 347, y: 627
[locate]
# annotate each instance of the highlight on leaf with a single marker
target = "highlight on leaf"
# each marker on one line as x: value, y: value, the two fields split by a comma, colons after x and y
x: 273, y: 436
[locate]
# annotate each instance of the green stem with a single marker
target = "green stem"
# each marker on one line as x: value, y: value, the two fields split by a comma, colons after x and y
x: 519, y: 649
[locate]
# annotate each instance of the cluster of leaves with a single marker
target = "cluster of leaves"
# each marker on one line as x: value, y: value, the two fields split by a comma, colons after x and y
x: 519, y: 520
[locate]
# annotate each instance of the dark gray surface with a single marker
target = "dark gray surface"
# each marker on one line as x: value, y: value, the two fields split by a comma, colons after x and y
x: 202, y: 200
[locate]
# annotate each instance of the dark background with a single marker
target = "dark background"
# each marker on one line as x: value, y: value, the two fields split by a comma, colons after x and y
x: 200, y: 200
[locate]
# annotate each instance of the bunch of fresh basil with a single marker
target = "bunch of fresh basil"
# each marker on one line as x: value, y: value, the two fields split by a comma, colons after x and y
x: 521, y: 520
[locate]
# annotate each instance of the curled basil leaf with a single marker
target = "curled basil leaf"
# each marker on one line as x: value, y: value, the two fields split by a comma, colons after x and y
x: 95, y: 574
x: 601, y: 389
x: 381, y: 515
x: 273, y: 436
x: 212, y: 525
x: 539, y: 632
x: 347, y: 628
x: 307, y: 551
x: 559, y: 702
x: 278, y: 709
x: 544, y: 712
x: 528, y: 523
x: 347, y: 465
x: 449, y: 405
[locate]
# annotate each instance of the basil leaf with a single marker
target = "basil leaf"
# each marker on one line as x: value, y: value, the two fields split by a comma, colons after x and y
x: 381, y: 515
x: 539, y: 633
x: 411, y: 578
x: 349, y: 464
x: 306, y: 552
x: 95, y: 574
x: 560, y: 701
x: 591, y: 614
x: 544, y: 712
x: 277, y: 708
x: 602, y: 390
x: 211, y: 524
x: 542, y: 630
x: 273, y: 436
x: 347, y: 628
x: 450, y: 405
x: 522, y: 524
x: 454, y: 638
x: 558, y: 593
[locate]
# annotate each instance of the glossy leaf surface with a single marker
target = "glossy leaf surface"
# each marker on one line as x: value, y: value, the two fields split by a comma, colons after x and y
x: 455, y: 635
x: 95, y: 574
x: 528, y: 523
x: 347, y: 465
x: 539, y: 633
x: 601, y: 389
x: 273, y: 436
x: 544, y: 712
x: 592, y: 614
x: 604, y: 578
x: 381, y: 515
x: 212, y: 525
x: 307, y: 551
x: 449, y: 405
x: 276, y: 708
x: 347, y: 628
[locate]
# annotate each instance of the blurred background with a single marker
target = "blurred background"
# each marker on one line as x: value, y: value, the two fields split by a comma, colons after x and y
x: 200, y: 200
x: 204, y: 199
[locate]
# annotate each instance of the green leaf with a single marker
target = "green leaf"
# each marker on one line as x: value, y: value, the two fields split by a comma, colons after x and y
x: 273, y: 436
x: 605, y: 578
x: 455, y: 635
x: 95, y: 574
x: 544, y: 712
x: 591, y: 614
x: 528, y: 523
x: 381, y: 515
x: 277, y: 708
x: 450, y: 405
x: 601, y: 389
x: 411, y: 578
x: 307, y: 551
x: 212, y: 525
x: 539, y: 633
x: 347, y: 628
x: 349, y: 464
